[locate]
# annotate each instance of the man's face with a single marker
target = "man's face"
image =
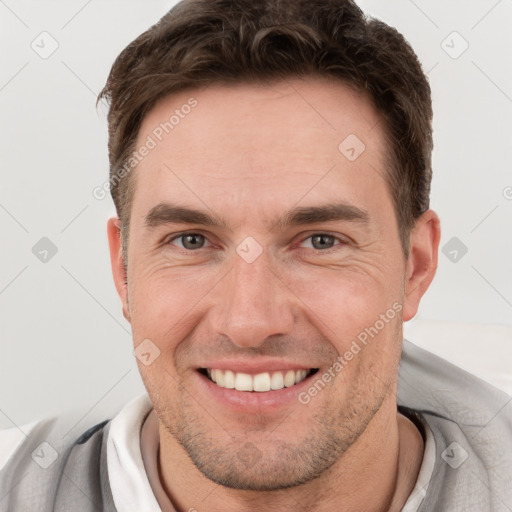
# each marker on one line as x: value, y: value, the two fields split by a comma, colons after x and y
x: 261, y: 297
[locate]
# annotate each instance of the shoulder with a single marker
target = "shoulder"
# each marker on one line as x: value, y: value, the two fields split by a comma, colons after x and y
x: 429, y: 383
x: 34, y: 457
x: 471, y: 421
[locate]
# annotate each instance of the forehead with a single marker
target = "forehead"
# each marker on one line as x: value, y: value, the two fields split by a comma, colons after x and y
x: 262, y: 144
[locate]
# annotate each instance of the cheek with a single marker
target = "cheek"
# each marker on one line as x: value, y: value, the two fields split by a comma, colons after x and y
x: 167, y: 304
x: 360, y: 314
x: 164, y: 303
x: 345, y: 301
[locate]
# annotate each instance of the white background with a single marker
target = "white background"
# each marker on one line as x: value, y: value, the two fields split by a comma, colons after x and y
x: 64, y: 343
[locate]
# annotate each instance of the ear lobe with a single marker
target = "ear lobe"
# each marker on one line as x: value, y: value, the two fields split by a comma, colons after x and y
x: 116, y: 261
x: 422, y: 261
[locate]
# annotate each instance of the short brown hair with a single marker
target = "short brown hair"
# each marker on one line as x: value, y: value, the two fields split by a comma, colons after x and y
x: 199, y: 42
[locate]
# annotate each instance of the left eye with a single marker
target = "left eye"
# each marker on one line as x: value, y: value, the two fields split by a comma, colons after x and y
x: 322, y: 241
x: 190, y: 241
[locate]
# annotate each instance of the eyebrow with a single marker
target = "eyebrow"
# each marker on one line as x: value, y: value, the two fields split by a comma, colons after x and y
x: 166, y: 213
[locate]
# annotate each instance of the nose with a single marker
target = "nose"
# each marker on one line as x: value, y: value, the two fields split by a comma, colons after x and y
x: 252, y: 303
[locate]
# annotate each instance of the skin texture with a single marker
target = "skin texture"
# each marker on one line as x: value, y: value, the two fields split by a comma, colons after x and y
x: 249, y: 153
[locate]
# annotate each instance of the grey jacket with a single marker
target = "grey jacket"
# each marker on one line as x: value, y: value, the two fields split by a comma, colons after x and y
x: 470, y: 419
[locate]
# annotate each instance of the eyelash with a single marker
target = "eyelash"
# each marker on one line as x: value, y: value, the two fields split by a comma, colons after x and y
x: 341, y: 241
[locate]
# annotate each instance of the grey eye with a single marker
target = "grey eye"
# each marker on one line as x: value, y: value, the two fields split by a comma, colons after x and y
x: 322, y: 241
x: 191, y: 240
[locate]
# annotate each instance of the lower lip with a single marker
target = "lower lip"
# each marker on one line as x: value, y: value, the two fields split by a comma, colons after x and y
x: 255, y: 401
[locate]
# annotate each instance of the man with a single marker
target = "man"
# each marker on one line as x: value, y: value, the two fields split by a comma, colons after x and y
x: 270, y: 167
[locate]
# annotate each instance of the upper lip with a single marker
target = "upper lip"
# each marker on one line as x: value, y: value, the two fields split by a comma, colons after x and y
x: 255, y: 367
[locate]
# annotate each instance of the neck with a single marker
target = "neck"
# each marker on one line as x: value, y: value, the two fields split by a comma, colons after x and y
x: 376, y: 473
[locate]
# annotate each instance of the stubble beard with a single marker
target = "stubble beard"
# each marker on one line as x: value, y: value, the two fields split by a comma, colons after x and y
x: 266, y: 460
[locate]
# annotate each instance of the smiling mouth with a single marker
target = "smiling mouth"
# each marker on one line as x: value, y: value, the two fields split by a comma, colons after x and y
x: 261, y: 382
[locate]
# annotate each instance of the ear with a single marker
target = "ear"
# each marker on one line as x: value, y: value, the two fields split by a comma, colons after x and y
x: 116, y: 261
x: 422, y: 261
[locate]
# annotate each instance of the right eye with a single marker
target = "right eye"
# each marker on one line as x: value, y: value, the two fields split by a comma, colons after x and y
x: 189, y: 241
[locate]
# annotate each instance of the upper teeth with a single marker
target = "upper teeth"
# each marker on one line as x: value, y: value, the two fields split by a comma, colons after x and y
x: 260, y: 382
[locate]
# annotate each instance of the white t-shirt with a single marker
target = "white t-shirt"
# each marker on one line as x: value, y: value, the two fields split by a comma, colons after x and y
x: 132, y: 449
